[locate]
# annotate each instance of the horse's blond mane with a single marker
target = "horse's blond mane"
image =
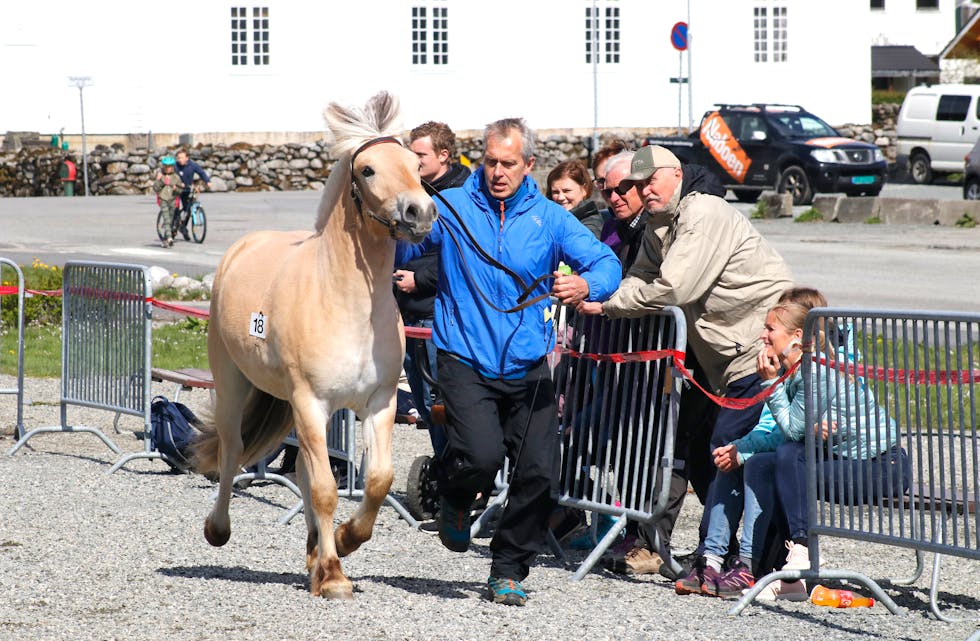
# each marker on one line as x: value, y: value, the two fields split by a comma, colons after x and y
x: 351, y: 127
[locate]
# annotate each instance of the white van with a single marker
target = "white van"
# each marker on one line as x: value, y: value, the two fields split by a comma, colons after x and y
x: 937, y: 126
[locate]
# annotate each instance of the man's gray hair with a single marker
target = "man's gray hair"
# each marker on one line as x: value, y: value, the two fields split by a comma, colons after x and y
x: 503, y: 127
x: 622, y: 158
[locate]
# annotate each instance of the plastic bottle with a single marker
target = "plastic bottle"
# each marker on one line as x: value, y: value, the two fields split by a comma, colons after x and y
x: 839, y: 598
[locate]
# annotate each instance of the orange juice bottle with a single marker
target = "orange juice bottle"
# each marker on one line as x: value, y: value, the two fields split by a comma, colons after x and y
x: 839, y: 598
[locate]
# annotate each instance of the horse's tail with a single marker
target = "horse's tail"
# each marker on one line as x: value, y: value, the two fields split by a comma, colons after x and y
x: 265, y: 422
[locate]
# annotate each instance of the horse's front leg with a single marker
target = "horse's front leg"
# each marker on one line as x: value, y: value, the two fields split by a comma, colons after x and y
x: 377, y: 423
x: 319, y: 501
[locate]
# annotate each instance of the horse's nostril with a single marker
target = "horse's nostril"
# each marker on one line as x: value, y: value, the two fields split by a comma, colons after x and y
x: 411, y: 214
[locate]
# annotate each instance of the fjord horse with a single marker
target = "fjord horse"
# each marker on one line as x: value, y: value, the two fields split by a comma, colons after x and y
x: 303, y: 324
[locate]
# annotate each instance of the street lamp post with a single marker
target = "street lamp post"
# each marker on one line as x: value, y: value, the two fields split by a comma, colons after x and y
x: 81, y: 82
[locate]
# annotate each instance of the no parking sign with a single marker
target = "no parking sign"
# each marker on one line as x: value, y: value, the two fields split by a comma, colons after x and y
x: 678, y: 36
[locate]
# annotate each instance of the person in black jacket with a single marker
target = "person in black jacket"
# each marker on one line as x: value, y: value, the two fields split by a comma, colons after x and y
x: 568, y: 184
x: 415, y: 281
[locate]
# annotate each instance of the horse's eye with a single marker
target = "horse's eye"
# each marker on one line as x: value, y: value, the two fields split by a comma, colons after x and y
x: 367, y: 172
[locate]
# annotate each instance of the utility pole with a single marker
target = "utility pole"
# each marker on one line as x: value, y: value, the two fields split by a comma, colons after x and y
x: 81, y: 82
x: 595, y: 80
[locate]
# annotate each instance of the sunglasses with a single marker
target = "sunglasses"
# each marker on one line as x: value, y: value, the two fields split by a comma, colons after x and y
x: 622, y: 189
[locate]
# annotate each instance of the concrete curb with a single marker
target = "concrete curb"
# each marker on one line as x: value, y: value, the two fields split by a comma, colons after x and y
x: 898, y: 211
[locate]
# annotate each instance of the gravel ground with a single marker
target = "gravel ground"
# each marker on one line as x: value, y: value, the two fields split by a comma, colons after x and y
x: 88, y: 555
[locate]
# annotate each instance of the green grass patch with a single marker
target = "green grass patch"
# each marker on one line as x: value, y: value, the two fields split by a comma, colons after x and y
x: 966, y: 221
x: 176, y: 345
x: 874, y: 220
x: 811, y: 215
x: 880, y: 96
x: 760, y: 210
x: 938, y: 406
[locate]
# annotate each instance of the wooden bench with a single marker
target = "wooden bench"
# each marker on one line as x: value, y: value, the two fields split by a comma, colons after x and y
x: 186, y: 379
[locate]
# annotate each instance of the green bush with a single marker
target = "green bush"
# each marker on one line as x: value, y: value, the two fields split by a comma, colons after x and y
x: 38, y: 310
x: 882, y: 96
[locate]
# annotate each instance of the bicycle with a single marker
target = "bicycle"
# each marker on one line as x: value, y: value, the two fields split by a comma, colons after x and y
x: 191, y: 212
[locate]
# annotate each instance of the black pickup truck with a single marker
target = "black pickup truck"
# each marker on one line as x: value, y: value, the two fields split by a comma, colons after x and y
x: 785, y: 148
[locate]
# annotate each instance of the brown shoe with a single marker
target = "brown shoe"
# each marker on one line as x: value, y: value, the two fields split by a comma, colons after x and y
x: 639, y: 560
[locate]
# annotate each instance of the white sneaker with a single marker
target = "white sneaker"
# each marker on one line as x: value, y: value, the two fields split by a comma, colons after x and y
x: 783, y: 591
x: 798, y: 557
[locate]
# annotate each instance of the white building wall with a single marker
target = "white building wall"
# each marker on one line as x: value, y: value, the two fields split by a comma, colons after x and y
x: 508, y: 58
x: 928, y: 30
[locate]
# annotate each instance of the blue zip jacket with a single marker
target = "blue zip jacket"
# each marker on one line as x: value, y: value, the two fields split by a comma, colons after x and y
x: 764, y: 437
x: 536, y: 234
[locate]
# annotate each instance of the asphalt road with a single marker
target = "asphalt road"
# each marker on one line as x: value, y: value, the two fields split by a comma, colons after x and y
x: 865, y: 266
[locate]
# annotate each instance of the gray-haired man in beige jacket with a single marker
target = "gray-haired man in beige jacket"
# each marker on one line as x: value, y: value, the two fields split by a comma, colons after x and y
x: 702, y: 255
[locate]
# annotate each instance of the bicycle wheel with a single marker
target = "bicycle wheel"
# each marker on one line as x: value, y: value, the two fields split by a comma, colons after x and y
x: 163, y: 230
x: 199, y: 223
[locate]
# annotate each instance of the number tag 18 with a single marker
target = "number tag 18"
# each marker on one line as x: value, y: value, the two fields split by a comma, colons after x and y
x: 257, y: 325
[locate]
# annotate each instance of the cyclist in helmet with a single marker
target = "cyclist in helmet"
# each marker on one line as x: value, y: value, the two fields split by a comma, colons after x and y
x: 167, y: 187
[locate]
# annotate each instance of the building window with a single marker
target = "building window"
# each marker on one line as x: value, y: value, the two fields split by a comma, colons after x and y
x: 877, y: 4
x: 770, y: 34
x: 434, y: 30
x: 926, y: 4
x: 254, y: 23
x: 602, y: 32
x: 760, y: 34
x: 779, y: 34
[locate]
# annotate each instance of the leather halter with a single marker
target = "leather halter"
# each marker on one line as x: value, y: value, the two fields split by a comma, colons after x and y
x: 355, y: 193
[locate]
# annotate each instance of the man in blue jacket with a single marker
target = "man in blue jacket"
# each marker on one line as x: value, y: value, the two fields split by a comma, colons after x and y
x: 500, y: 400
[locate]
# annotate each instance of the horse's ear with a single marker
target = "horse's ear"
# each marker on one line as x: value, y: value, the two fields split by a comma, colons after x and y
x: 383, y: 110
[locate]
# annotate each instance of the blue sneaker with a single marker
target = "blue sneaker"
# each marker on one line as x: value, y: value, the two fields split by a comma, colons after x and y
x: 454, y: 527
x: 506, y: 591
x: 584, y: 540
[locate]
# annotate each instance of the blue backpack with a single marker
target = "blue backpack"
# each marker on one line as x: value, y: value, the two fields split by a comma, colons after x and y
x: 172, y: 430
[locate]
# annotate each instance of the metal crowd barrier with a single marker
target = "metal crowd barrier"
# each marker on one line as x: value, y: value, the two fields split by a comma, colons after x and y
x: 923, y: 370
x: 619, y: 395
x: 19, y: 351
x: 105, y: 348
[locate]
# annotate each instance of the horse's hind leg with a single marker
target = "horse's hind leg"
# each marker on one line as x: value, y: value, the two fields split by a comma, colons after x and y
x: 378, y: 473
x: 319, y: 500
x: 231, y: 389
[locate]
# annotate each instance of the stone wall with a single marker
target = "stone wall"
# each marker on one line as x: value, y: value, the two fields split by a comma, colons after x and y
x: 32, y: 170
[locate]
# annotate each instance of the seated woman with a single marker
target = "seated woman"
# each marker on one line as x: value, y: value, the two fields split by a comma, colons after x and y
x: 733, y: 490
x: 860, y: 447
x: 569, y: 185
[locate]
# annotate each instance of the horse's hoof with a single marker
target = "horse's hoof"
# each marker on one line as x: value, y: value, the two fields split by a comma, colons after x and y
x: 217, y: 539
x: 337, y: 592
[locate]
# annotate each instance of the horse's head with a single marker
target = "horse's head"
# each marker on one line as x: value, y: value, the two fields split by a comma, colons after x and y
x: 385, y: 186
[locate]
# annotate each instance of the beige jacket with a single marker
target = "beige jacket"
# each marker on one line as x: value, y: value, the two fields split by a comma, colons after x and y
x: 709, y: 260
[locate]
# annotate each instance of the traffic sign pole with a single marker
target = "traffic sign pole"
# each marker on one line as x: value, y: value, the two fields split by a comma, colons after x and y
x: 678, y: 39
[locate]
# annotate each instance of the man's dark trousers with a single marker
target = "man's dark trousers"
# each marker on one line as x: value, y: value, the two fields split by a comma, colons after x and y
x: 488, y: 419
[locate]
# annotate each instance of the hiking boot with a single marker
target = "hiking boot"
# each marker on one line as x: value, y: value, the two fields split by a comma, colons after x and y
x: 730, y: 584
x: 685, y: 563
x: 783, y: 591
x: 694, y: 581
x: 454, y: 527
x: 637, y: 561
x: 506, y: 591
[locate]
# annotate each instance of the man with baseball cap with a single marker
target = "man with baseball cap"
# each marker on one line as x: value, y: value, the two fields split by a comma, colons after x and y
x: 705, y: 257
